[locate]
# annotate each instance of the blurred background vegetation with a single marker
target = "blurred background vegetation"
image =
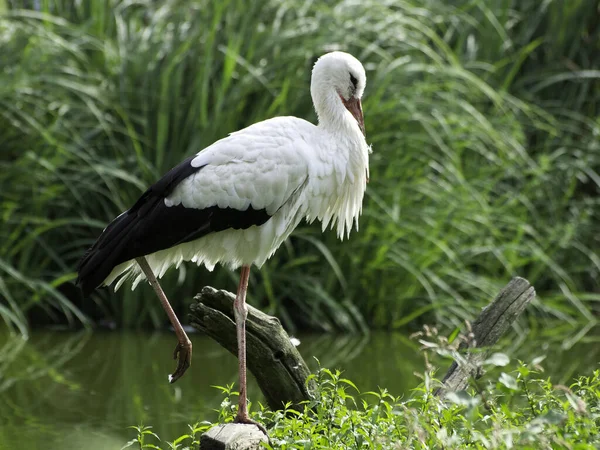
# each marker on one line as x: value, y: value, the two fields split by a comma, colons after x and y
x: 484, y: 118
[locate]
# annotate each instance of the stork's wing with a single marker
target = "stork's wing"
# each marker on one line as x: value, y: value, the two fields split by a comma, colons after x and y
x: 238, y: 182
x: 262, y: 175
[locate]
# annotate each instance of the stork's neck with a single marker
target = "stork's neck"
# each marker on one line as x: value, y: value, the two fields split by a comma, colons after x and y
x: 345, y: 161
x: 335, y: 119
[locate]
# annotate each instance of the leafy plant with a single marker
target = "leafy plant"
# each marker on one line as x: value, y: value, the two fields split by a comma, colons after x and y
x: 512, y: 406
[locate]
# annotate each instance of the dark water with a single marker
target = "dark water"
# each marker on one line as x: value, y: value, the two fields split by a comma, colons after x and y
x: 68, y: 391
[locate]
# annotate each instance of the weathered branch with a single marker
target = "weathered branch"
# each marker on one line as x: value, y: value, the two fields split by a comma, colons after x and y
x: 487, y: 329
x: 274, y: 361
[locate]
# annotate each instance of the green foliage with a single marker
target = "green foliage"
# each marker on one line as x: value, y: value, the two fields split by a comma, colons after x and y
x: 512, y: 406
x: 144, y: 434
x: 529, y: 413
x: 483, y: 119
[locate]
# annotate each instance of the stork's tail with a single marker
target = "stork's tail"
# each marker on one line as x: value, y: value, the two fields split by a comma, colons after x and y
x: 106, y: 253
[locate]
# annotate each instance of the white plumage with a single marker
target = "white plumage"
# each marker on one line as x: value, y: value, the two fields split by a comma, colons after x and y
x: 237, y: 200
x: 285, y: 165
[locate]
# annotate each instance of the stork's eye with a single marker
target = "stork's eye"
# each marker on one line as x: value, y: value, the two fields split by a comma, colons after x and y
x: 354, y: 81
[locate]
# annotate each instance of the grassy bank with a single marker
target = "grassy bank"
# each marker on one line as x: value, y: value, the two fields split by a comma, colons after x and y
x: 483, y: 119
x: 513, y: 406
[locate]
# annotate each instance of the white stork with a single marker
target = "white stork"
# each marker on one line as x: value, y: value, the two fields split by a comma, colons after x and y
x: 237, y: 200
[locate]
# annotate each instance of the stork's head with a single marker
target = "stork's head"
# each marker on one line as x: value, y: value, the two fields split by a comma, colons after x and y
x: 338, y: 82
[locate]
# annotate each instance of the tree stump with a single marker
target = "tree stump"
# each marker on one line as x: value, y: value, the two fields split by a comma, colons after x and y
x: 488, y: 328
x: 278, y: 367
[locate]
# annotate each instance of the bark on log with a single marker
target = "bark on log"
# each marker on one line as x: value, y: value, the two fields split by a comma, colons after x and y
x: 274, y: 361
x: 488, y: 328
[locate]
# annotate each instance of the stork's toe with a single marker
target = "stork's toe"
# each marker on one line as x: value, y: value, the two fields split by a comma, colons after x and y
x: 183, y: 355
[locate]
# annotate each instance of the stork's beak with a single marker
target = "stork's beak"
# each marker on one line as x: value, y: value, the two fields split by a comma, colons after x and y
x: 354, y: 106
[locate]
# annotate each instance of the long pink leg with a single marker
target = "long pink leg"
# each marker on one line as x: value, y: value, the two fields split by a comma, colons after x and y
x: 183, y: 351
x: 240, y: 311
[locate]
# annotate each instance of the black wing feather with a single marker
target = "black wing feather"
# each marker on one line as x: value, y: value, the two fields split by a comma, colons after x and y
x: 149, y: 226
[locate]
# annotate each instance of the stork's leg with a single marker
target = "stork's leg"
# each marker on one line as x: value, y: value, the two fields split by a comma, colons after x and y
x: 183, y: 351
x: 240, y: 311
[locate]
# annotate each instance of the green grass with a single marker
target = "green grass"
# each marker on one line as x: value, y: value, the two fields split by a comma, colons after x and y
x: 513, y: 406
x: 483, y: 117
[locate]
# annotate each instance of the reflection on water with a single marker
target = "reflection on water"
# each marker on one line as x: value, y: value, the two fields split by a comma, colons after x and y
x: 61, y: 389
x: 81, y: 390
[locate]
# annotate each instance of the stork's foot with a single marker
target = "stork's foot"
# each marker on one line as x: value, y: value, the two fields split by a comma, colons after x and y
x: 243, y: 418
x: 183, y: 355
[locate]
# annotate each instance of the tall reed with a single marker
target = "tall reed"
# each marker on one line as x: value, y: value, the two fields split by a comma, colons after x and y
x: 483, y: 119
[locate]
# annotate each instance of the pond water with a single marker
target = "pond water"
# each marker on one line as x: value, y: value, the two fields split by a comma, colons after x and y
x: 66, y: 391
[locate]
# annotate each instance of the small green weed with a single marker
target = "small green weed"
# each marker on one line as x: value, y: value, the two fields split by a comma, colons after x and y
x: 183, y: 442
x: 511, y: 406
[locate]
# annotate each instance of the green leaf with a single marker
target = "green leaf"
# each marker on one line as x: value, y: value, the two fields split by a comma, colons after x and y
x: 508, y: 381
x: 462, y: 398
x: 497, y: 359
x: 537, y: 360
x: 552, y: 417
x: 350, y: 383
x: 130, y: 443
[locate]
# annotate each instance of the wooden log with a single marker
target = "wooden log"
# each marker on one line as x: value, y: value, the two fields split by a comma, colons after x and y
x: 488, y: 328
x: 233, y: 436
x: 274, y: 361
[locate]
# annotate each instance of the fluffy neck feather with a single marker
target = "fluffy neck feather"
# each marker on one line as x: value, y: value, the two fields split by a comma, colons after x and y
x: 331, y: 112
